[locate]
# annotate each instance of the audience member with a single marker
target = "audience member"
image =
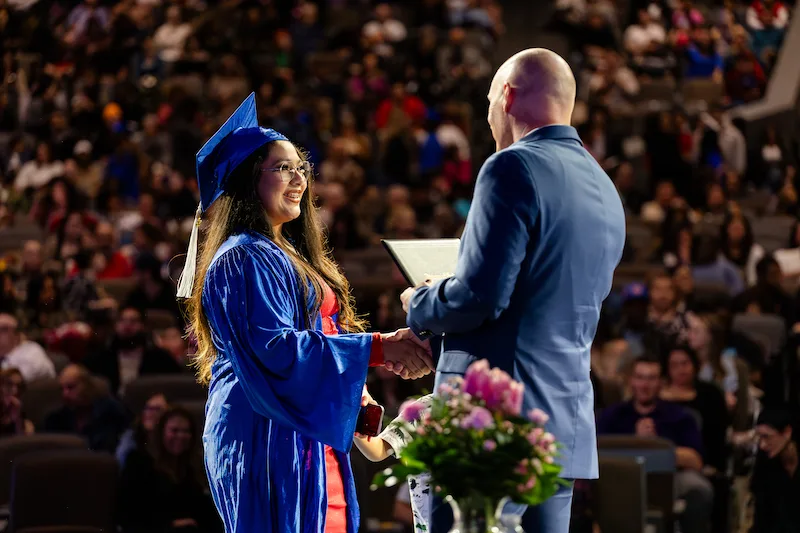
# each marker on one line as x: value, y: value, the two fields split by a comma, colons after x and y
x: 716, y: 362
x: 142, y: 436
x: 739, y: 247
x: 645, y: 415
x: 163, y: 490
x: 12, y: 415
x: 663, y: 314
x: 130, y: 353
x: 702, y: 399
x: 776, y: 477
x: 152, y: 291
x: 17, y: 352
x: 87, y: 411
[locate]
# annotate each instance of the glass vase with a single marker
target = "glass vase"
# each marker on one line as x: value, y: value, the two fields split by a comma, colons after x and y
x: 477, y: 514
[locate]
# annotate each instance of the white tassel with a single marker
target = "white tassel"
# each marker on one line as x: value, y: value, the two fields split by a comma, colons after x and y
x: 186, y: 281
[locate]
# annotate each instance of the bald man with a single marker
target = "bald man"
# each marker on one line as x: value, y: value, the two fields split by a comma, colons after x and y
x: 543, y: 236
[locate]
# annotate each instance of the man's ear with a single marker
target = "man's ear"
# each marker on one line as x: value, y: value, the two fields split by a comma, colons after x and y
x: 508, y: 97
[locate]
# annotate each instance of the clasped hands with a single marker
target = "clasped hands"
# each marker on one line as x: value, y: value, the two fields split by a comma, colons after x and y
x: 406, y: 355
x: 416, y: 360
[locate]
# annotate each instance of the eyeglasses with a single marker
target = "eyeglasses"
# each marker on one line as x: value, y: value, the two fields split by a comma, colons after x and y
x: 287, y: 171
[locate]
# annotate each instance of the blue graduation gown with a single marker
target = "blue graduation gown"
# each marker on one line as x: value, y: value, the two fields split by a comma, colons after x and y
x: 278, y: 394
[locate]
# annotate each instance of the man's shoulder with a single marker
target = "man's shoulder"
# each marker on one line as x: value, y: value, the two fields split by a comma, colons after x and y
x: 544, y: 156
x: 515, y: 157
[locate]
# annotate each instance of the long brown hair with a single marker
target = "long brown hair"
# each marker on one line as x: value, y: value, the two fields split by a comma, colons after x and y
x: 239, y: 209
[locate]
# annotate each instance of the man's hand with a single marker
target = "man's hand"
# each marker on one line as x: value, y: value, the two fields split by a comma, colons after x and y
x: 405, y: 297
x: 645, y: 427
x: 406, y: 355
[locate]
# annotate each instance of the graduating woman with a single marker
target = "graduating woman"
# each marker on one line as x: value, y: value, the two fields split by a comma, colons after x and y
x: 285, y: 388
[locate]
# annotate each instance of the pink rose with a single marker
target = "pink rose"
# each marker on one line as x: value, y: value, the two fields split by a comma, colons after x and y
x: 495, y: 390
x: 476, y: 376
x: 512, y: 402
x: 538, y: 417
x: 489, y: 445
x: 531, y: 483
x: 411, y: 410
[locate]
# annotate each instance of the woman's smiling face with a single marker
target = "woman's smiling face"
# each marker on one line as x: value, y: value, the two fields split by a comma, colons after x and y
x: 282, y: 183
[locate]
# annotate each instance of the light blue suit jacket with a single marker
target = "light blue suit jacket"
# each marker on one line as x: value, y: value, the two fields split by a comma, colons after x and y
x: 543, y: 236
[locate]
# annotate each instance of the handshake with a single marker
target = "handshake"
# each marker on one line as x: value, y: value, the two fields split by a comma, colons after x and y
x: 406, y: 355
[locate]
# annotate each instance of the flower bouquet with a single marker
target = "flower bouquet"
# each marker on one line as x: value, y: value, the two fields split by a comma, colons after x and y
x: 478, y: 448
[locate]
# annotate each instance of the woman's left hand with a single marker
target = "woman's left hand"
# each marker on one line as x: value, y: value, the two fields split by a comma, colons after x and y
x: 366, y: 398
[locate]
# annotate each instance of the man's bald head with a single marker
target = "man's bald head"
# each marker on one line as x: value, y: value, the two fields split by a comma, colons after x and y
x: 533, y: 88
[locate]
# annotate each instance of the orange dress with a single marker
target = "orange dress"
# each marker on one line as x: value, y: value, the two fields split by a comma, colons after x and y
x: 336, y: 516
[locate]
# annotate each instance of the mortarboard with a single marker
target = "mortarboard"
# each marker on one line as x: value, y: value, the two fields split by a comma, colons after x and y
x: 219, y: 157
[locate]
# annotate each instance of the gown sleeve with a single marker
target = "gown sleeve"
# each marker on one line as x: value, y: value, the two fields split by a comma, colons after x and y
x: 301, y: 379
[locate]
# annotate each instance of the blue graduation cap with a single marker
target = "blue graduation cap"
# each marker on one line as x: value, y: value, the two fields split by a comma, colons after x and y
x: 219, y: 157
x: 234, y: 142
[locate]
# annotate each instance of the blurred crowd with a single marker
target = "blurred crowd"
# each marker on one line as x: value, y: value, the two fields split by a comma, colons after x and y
x: 102, y: 109
x: 733, y: 44
x: 105, y: 103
